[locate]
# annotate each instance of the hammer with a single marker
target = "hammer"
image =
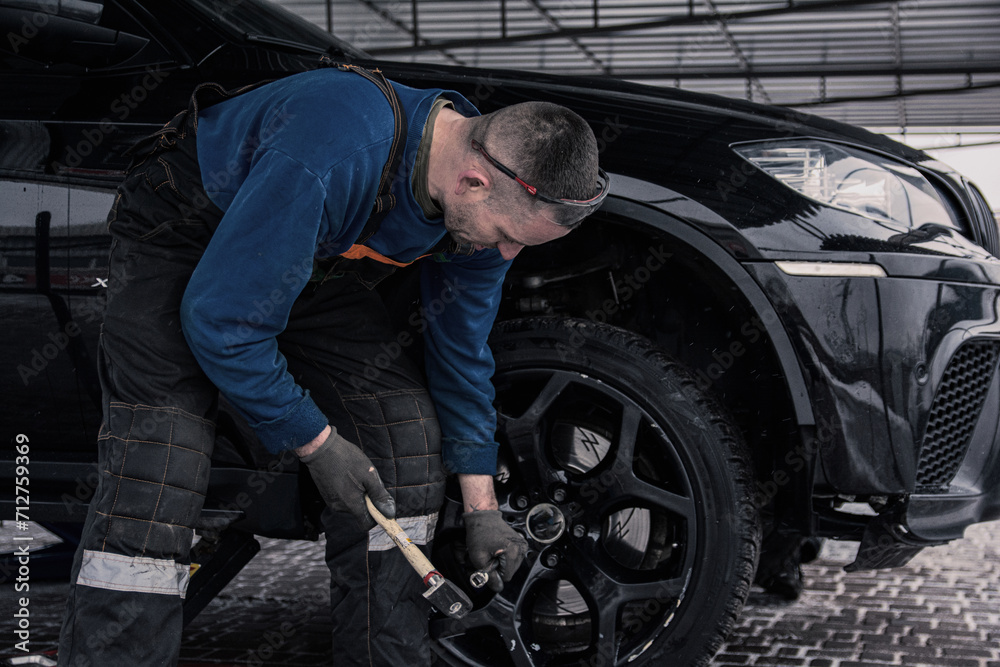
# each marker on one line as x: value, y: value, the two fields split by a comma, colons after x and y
x: 445, y: 596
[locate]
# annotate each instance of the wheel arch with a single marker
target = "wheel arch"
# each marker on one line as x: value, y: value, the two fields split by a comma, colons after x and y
x: 730, y: 302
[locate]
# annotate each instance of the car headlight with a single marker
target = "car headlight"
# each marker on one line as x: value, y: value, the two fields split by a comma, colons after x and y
x: 852, y: 180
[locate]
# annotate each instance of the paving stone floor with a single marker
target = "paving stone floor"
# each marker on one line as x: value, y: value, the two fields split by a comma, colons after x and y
x: 942, y: 610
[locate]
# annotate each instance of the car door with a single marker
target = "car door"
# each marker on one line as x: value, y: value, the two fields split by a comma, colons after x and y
x: 79, y: 82
x: 53, y: 270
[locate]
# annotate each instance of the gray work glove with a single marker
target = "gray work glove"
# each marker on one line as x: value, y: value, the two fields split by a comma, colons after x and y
x: 343, y: 475
x: 493, y: 545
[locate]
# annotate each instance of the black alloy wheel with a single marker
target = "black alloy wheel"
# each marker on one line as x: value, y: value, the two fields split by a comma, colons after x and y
x: 634, y: 492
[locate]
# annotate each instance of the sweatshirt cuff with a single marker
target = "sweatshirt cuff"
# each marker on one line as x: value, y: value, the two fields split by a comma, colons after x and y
x: 469, y: 458
x: 296, y: 428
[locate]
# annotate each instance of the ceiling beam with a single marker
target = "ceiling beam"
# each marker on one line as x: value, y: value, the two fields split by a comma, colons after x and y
x: 753, y: 83
x: 808, y: 70
x: 389, y: 18
x: 550, y: 20
x: 813, y: 104
x: 666, y: 22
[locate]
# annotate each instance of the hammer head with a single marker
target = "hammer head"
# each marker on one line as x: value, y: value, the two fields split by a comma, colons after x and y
x: 446, y: 597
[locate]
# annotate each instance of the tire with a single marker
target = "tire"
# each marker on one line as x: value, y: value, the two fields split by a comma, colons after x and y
x: 651, y: 549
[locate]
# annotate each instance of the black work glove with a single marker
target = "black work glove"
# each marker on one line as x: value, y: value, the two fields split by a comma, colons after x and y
x: 343, y: 475
x: 493, y: 545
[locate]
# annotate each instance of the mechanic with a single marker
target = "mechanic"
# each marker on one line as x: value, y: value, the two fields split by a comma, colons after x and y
x: 248, y: 236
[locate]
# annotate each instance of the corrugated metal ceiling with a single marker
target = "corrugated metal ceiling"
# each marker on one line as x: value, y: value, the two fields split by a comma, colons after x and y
x: 904, y: 65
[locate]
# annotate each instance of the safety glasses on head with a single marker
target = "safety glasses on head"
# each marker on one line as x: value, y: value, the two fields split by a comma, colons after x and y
x: 582, y: 207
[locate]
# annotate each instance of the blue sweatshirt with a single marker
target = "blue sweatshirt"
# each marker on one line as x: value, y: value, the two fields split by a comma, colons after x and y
x: 295, y: 166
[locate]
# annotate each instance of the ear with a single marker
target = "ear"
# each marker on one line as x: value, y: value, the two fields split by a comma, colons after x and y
x: 473, y: 184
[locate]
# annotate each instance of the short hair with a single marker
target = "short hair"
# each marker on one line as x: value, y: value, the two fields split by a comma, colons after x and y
x: 547, y: 145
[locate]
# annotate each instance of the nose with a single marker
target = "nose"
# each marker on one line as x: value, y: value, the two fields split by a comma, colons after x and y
x: 509, y: 250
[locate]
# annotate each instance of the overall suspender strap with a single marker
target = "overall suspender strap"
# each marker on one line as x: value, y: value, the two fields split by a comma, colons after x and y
x: 385, y: 201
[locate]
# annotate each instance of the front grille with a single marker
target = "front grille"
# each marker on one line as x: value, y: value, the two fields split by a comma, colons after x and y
x: 955, y: 412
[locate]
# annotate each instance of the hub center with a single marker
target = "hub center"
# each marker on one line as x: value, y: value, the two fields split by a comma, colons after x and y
x: 545, y: 523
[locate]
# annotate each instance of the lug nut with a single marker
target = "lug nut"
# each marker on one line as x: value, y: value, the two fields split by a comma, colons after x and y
x: 520, y: 502
x: 579, y: 530
x: 559, y: 495
x: 551, y: 560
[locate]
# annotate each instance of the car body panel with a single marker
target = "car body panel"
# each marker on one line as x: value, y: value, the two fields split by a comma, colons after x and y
x: 874, y: 351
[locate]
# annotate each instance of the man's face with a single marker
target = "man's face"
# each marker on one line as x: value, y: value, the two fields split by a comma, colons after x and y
x: 474, y: 223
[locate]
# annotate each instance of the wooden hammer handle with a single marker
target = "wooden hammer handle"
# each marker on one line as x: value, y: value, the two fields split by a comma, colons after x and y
x: 395, y: 532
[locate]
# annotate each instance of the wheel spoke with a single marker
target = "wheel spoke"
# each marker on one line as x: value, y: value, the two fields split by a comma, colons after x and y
x: 499, y: 614
x: 625, y: 483
x: 516, y: 642
x: 504, y: 615
x: 523, y: 432
x: 677, y: 504
x: 628, y: 431
x: 615, y: 590
x: 520, y: 654
x: 527, y: 422
x: 489, y: 616
x: 523, y: 441
x: 608, y: 591
x: 605, y: 642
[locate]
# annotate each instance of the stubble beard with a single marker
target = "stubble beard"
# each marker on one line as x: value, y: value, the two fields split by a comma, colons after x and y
x: 458, y: 221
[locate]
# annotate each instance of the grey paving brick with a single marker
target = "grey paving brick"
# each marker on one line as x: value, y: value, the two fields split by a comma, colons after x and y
x: 880, y: 657
x: 968, y: 652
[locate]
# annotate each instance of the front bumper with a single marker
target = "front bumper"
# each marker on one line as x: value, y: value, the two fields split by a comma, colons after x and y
x: 902, y: 375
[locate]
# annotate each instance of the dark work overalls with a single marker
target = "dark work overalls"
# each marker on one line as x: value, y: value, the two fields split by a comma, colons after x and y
x: 131, y: 570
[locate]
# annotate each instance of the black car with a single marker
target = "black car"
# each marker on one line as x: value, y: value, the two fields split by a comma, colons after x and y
x: 777, y: 328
